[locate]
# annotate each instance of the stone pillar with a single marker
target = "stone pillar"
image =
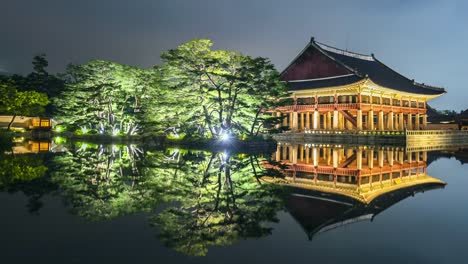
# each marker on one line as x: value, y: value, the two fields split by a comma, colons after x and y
x: 401, y: 119
x: 335, y: 158
x: 341, y: 121
x: 380, y: 121
x: 278, y: 153
x: 278, y: 115
x: 409, y: 124
x: 359, y: 119
x: 329, y: 120
x: 307, y: 120
x: 370, y: 115
x: 401, y: 157
x: 290, y: 121
x: 424, y: 121
x: 390, y: 157
x: 335, y: 119
x: 359, y: 159
x: 390, y: 121
x: 416, y: 123
x: 370, y: 159
x: 314, y: 157
x: 316, y: 119
x: 380, y: 158
x: 307, y: 155
x: 294, y: 121
x: 294, y: 154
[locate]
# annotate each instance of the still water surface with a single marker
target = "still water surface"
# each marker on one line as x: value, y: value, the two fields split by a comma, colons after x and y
x: 88, y: 203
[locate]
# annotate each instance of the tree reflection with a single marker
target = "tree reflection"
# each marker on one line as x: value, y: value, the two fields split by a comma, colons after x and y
x: 101, y: 181
x: 219, y: 200
x: 25, y: 173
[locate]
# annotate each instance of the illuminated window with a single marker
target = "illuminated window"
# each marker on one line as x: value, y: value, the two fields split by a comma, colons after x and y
x: 45, y: 123
x: 35, y: 147
x: 44, y: 146
x: 35, y: 122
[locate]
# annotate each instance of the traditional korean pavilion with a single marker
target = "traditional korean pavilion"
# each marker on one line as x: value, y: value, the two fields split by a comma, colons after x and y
x: 342, y: 90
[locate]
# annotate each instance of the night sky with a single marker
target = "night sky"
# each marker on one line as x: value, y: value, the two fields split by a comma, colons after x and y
x: 424, y: 40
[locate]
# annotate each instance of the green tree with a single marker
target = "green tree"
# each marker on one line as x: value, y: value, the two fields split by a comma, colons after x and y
x: 104, y: 97
x: 15, y: 103
x: 219, y: 92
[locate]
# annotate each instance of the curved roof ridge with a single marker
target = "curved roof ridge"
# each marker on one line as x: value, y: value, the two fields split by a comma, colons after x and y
x: 434, y: 88
x: 323, y: 78
x: 345, y: 52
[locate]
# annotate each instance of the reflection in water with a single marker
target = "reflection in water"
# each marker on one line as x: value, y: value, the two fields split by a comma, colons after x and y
x: 197, y: 199
x: 333, y: 185
x: 362, y: 173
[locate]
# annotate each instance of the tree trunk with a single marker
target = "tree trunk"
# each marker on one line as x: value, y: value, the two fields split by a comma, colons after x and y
x: 11, y: 122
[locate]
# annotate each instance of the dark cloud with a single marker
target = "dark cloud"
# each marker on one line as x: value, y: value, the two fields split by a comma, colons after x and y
x: 425, y: 40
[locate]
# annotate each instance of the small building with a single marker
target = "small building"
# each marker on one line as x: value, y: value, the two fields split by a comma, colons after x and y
x: 336, y: 89
x: 26, y: 122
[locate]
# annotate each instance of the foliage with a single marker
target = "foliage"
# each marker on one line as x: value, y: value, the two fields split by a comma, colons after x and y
x: 15, y: 103
x: 104, y: 97
x: 40, y: 81
x: 219, y: 199
x: 25, y: 173
x: 214, y: 92
x: 102, y: 182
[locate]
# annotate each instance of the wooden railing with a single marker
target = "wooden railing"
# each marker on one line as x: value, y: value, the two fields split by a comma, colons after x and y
x: 353, y: 106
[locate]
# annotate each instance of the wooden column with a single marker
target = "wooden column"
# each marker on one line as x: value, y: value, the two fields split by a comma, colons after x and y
x: 370, y: 159
x: 402, y: 122
x: 416, y: 122
x: 294, y: 154
x: 329, y: 126
x: 335, y: 158
x: 295, y: 121
x: 409, y: 124
x: 359, y: 119
x: 370, y: 126
x: 380, y: 158
x: 278, y: 153
x: 307, y: 120
x: 390, y: 121
x: 359, y: 159
x: 380, y: 121
x: 316, y: 119
x: 278, y: 115
x: 335, y: 119
x: 314, y: 157
x: 424, y: 121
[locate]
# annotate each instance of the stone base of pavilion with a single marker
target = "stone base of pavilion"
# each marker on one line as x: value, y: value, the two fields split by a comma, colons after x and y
x: 415, y: 139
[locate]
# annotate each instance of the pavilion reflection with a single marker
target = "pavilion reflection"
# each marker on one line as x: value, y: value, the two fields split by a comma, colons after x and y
x: 334, y: 185
x: 360, y: 172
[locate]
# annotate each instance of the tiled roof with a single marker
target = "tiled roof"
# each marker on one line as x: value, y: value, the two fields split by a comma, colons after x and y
x: 362, y: 66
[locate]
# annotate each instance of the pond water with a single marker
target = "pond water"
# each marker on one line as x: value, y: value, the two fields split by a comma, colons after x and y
x: 91, y: 203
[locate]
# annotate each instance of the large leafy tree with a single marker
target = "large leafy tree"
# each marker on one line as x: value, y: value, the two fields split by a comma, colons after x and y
x: 105, y: 97
x: 218, y: 91
x: 40, y: 80
x: 16, y: 103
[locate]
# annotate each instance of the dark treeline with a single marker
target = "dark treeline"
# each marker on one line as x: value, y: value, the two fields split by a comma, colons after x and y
x: 197, y: 92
